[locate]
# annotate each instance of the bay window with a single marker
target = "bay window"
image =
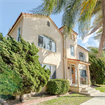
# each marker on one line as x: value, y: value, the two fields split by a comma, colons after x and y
x: 46, y: 43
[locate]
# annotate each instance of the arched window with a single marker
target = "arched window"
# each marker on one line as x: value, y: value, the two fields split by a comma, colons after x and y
x: 81, y: 56
x: 46, y: 43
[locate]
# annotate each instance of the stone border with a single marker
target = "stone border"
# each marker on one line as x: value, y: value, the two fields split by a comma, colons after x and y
x: 43, y: 99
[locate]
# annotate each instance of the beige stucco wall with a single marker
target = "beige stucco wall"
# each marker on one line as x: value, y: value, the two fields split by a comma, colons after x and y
x: 14, y: 31
x: 32, y: 27
x: 69, y: 42
x: 79, y: 49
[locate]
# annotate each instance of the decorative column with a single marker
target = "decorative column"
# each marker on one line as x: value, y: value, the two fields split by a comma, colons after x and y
x: 70, y: 75
x: 78, y: 75
x: 88, y: 73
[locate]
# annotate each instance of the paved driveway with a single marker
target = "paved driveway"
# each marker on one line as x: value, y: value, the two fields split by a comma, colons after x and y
x: 99, y: 99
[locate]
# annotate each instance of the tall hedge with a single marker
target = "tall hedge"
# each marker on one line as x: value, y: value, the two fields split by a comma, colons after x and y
x: 58, y: 86
x: 97, y: 67
x: 21, y: 57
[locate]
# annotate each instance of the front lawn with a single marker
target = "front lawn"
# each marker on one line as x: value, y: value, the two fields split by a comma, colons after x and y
x: 101, y: 88
x: 72, y: 99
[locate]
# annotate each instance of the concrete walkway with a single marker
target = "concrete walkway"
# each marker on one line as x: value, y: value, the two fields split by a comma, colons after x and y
x: 99, y: 99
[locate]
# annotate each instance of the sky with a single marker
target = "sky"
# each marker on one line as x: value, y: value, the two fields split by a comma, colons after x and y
x: 11, y: 9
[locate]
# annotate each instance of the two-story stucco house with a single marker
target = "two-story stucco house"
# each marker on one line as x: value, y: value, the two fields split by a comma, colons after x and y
x: 64, y: 57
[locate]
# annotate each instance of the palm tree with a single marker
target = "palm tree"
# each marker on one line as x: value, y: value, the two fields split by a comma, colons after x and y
x: 74, y: 11
x: 97, y: 26
x: 81, y: 10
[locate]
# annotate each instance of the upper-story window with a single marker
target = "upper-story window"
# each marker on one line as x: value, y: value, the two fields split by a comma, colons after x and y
x: 72, y: 50
x: 48, y: 23
x: 81, y: 56
x: 46, y: 43
x: 52, y: 68
x: 18, y: 33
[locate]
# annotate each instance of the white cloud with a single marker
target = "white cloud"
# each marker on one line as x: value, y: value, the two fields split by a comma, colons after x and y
x: 85, y: 40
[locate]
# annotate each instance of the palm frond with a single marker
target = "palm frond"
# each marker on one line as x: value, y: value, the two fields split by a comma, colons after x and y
x: 85, y: 16
x: 98, y: 34
x: 97, y: 7
x: 70, y: 14
x: 50, y: 7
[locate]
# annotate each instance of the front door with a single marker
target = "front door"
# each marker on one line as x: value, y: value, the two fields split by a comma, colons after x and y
x: 73, y: 74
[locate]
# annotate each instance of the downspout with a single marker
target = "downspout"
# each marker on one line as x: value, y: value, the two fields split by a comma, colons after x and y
x: 65, y: 58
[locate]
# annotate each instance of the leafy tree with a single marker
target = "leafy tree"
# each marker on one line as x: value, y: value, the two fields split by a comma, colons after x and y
x: 97, y: 67
x: 80, y: 11
x: 21, y: 58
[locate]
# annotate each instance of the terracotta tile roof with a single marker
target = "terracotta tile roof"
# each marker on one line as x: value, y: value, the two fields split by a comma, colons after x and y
x: 78, y: 60
x: 63, y: 27
x: 73, y: 59
x: 83, y: 48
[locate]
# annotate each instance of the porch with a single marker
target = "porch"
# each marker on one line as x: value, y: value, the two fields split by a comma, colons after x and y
x: 78, y: 74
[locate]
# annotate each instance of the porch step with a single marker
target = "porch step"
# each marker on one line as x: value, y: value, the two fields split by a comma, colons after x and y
x: 89, y: 91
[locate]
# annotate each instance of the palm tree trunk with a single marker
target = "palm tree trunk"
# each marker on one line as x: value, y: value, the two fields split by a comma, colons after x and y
x: 103, y: 33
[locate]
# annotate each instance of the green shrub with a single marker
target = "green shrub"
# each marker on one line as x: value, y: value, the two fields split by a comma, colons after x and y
x: 20, y: 69
x: 58, y: 86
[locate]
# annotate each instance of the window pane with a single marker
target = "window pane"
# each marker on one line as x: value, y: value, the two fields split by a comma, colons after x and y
x: 72, y: 50
x: 47, y: 43
x: 81, y: 56
x: 18, y: 36
x: 83, y: 73
x: 53, y: 72
x: 52, y: 68
x: 53, y: 46
x: 48, y: 23
x: 40, y: 41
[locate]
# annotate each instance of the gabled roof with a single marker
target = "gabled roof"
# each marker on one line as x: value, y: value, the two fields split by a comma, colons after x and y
x: 83, y: 48
x: 63, y: 27
x: 30, y: 14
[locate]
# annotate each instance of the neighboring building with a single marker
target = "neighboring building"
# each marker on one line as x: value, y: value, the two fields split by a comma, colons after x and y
x: 64, y: 57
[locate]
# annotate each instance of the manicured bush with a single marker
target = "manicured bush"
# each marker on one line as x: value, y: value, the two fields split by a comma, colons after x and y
x: 58, y: 86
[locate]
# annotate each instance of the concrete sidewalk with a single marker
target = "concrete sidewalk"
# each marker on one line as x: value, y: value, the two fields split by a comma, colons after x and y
x: 99, y: 99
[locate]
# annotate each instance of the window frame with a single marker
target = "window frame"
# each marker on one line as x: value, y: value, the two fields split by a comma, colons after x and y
x: 71, y: 50
x: 43, y: 35
x: 83, y: 58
